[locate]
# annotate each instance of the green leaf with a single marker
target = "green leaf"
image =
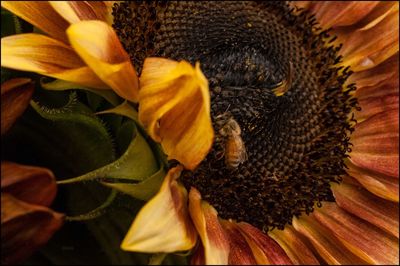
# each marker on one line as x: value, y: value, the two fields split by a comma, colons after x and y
x: 61, y: 85
x: 137, y: 163
x: 144, y: 190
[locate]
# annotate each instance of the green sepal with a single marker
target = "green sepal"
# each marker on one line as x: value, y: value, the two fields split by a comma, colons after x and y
x: 144, y: 190
x: 137, y: 163
x: 61, y: 85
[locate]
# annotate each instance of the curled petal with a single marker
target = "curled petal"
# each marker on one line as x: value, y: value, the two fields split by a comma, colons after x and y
x: 175, y: 109
x: 46, y: 56
x: 356, y: 200
x: 213, y: 237
x: 15, y: 97
x: 41, y: 15
x: 328, y: 247
x: 292, y: 243
x: 35, y: 185
x: 98, y: 45
x: 366, y: 48
x: 163, y: 224
x: 24, y: 228
x: 75, y: 11
x: 264, y: 248
x: 240, y: 252
x: 342, y: 13
x: 376, y: 144
x: 363, y: 239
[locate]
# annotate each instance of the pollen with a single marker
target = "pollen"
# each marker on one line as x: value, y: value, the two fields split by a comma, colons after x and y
x: 276, y: 74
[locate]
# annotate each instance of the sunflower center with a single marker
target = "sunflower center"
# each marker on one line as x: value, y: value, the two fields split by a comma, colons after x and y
x: 288, y: 148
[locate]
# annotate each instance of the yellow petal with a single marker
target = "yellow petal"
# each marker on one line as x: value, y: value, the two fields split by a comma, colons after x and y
x: 328, y: 247
x: 292, y: 243
x: 358, y: 201
x: 46, y: 56
x: 41, y: 15
x: 75, y: 11
x: 98, y: 45
x: 214, y: 240
x: 361, y: 238
x: 175, y: 109
x: 163, y: 224
x: 15, y: 96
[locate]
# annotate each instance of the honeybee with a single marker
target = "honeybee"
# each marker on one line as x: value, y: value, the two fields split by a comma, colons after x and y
x: 282, y: 87
x: 234, y: 148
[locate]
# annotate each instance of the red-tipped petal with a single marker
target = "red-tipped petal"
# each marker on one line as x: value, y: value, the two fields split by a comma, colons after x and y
x: 376, y: 144
x: 332, y: 251
x: 35, y: 185
x: 240, y: 252
x: 361, y: 238
x: 213, y: 237
x: 265, y: 249
x: 24, y: 228
x: 360, y: 202
x: 292, y: 242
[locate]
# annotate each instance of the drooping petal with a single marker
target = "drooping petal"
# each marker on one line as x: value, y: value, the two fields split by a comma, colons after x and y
x: 383, y: 186
x: 24, y: 228
x: 35, y: 185
x: 75, y: 11
x: 264, y: 248
x: 328, y: 246
x: 366, y: 48
x: 98, y: 45
x: 15, y: 97
x: 41, y: 15
x: 163, y: 224
x: 240, y: 252
x: 356, y: 200
x: 292, y: 243
x: 175, y: 109
x: 376, y: 143
x: 361, y: 238
x: 213, y: 237
x: 342, y: 13
x: 46, y: 56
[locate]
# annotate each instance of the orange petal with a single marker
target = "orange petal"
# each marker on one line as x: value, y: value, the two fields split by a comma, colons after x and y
x: 364, y: 49
x: 15, y: 97
x: 213, y: 237
x: 163, y: 224
x: 240, y: 252
x: 98, y: 45
x: 24, y: 228
x: 294, y: 246
x: 332, y: 251
x: 383, y: 9
x: 35, y: 185
x: 374, y: 105
x: 264, y: 248
x: 75, y: 11
x: 363, y: 239
x: 342, y: 13
x: 376, y: 144
x: 46, y: 56
x: 377, y: 211
x: 41, y: 15
x: 380, y: 185
x: 175, y: 109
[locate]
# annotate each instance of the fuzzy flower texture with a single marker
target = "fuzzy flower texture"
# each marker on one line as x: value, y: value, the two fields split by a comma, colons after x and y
x: 176, y: 82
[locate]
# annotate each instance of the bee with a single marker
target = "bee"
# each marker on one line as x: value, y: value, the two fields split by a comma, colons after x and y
x: 234, y: 148
x: 282, y: 87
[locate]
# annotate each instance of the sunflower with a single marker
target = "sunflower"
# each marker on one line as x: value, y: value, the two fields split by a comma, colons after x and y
x: 315, y: 98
